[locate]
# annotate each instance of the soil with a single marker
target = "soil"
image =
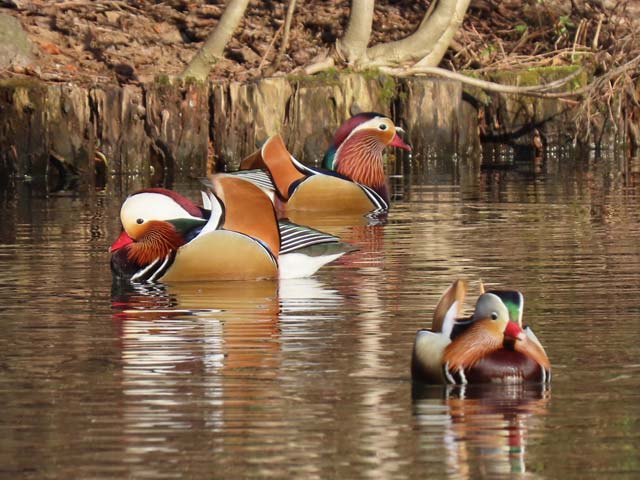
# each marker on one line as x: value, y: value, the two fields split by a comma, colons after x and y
x: 132, y: 41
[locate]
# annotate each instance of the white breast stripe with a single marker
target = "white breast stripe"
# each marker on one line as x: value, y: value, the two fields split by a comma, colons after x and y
x: 377, y: 200
x: 153, y: 277
x: 216, y: 214
x: 447, y: 374
x: 141, y: 273
x: 462, y: 376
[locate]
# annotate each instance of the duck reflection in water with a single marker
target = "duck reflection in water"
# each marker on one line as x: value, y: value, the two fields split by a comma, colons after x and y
x: 483, y: 429
x: 202, y: 354
x: 232, y: 314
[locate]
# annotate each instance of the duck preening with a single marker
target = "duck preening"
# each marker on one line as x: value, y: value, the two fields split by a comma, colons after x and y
x: 352, y: 179
x: 490, y: 346
x: 168, y: 238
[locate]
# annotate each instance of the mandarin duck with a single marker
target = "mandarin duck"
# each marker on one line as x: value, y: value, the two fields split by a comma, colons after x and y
x: 490, y: 346
x: 168, y: 238
x: 352, y: 179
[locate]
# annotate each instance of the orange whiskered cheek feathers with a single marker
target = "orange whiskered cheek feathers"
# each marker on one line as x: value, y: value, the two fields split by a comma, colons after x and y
x: 532, y: 350
x: 157, y: 240
x: 466, y: 350
x: 360, y: 158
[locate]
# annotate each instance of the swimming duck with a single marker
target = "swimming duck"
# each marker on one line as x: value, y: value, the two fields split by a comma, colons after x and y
x: 490, y: 346
x: 168, y: 238
x: 352, y: 179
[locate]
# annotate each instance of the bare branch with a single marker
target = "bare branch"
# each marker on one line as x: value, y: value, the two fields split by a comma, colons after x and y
x: 287, y: 29
x: 214, y: 45
x: 271, y: 44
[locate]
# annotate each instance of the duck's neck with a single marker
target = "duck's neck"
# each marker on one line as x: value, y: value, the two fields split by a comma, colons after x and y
x: 360, y: 159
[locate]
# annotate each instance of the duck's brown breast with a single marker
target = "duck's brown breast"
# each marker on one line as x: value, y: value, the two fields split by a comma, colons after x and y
x: 505, y: 366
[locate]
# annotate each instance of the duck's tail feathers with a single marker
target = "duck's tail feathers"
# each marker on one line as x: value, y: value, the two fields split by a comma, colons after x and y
x: 304, y: 250
x: 298, y: 238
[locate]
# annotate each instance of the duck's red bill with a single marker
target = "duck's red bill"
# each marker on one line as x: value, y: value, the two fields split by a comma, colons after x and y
x: 513, y: 331
x: 399, y: 143
x: 122, y: 241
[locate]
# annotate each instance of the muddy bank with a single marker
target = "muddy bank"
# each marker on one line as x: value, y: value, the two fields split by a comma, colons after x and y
x: 163, y: 131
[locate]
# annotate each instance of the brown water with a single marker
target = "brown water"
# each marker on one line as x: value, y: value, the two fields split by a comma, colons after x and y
x: 310, y: 378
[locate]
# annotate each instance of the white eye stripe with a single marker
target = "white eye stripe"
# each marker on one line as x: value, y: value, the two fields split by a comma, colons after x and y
x: 372, y: 123
x: 150, y: 206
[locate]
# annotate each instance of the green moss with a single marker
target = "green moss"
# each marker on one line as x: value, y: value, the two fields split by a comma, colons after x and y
x: 22, y: 82
x: 535, y: 75
x: 527, y: 77
x: 330, y: 76
x: 370, y: 74
x: 193, y: 81
x: 163, y: 80
x: 388, y: 90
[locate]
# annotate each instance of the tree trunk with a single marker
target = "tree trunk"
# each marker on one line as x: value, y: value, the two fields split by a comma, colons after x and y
x: 424, y: 40
x: 353, y: 45
x: 214, y: 45
x: 434, y: 58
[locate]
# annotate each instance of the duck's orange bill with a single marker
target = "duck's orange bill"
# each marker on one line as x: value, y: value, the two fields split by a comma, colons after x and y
x: 399, y: 143
x: 513, y: 331
x: 122, y: 241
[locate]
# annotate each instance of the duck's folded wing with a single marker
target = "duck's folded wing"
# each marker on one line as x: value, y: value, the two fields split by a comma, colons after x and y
x: 222, y: 255
x: 333, y: 193
x: 426, y: 360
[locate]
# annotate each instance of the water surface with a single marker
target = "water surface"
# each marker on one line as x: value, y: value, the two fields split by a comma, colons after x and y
x: 310, y: 378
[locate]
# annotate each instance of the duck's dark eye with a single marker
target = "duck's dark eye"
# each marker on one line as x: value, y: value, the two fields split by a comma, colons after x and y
x: 494, y: 316
x: 382, y: 126
x: 140, y: 221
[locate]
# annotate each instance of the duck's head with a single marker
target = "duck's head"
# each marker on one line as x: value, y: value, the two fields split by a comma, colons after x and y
x: 367, y: 132
x: 491, y: 330
x: 491, y: 307
x: 156, y: 220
